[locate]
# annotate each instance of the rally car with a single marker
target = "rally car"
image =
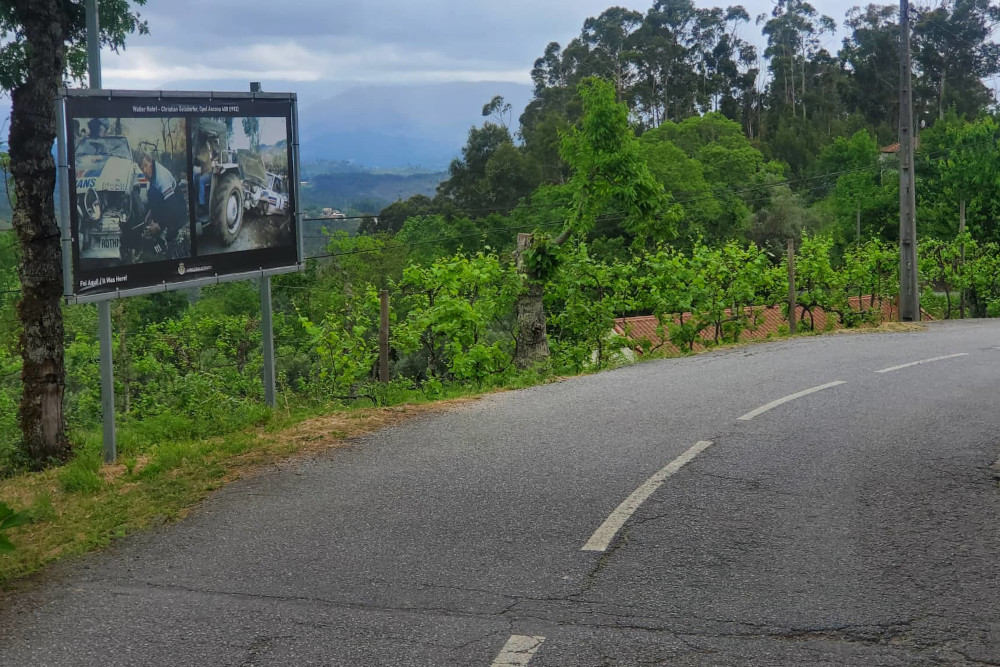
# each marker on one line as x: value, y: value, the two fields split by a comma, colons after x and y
x: 110, y: 189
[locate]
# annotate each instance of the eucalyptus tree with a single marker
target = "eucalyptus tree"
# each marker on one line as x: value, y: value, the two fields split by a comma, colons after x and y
x: 953, y: 52
x: 793, y: 32
x: 870, y: 54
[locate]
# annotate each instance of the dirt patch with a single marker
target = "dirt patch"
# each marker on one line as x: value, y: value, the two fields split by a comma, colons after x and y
x: 320, y: 434
x: 885, y: 327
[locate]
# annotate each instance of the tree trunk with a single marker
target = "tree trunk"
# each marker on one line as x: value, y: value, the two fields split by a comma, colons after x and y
x: 803, y: 78
x: 941, y: 98
x: 32, y: 134
x: 858, y: 224
x: 532, y: 344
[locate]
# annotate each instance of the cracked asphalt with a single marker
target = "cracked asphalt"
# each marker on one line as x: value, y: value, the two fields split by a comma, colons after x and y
x: 854, y: 526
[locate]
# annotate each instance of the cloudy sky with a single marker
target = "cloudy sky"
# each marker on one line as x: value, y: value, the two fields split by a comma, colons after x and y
x: 329, y: 45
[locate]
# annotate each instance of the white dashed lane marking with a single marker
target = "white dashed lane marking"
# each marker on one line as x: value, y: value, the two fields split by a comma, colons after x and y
x: 518, y: 650
x: 791, y: 397
x: 602, y: 537
x: 922, y: 361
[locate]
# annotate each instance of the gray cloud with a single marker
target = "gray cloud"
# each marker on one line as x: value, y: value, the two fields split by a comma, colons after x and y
x: 340, y: 42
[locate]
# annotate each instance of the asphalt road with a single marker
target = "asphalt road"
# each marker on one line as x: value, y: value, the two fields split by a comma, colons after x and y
x: 856, y: 525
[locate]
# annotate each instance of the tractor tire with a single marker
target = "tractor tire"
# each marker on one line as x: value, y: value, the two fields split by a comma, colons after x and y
x: 227, y: 207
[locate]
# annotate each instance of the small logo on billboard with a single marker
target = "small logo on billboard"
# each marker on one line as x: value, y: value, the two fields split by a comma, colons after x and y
x: 180, y: 268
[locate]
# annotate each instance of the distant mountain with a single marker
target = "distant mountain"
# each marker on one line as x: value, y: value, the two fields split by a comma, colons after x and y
x: 398, y: 126
x: 387, y: 127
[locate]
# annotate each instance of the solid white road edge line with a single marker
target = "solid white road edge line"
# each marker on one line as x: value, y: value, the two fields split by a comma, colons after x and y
x: 602, y: 537
x: 791, y: 397
x: 518, y: 650
x: 922, y: 361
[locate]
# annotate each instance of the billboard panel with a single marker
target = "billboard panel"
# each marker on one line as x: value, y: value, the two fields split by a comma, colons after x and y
x: 168, y: 188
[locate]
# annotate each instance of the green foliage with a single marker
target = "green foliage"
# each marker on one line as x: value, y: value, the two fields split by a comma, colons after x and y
x: 9, y: 519
x: 118, y: 20
x: 346, y: 347
x: 542, y: 258
x: 459, y: 317
x: 609, y: 174
x: 818, y: 283
x: 870, y: 269
x: 944, y: 276
x: 81, y: 475
x: 584, y: 298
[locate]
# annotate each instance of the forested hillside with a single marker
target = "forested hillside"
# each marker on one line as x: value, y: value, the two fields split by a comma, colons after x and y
x: 662, y: 166
x: 361, y: 192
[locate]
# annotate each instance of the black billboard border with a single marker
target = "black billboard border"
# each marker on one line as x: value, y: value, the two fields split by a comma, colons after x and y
x: 70, y: 249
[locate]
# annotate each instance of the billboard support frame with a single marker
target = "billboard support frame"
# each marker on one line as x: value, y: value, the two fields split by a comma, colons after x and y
x: 103, y: 299
x: 267, y: 342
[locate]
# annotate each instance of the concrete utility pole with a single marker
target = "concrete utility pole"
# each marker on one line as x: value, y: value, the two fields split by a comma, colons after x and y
x: 909, y: 294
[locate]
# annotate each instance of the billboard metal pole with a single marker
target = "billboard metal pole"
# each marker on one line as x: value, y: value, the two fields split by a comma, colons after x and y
x: 267, y: 336
x: 103, y: 307
x: 107, y: 380
x: 267, y: 321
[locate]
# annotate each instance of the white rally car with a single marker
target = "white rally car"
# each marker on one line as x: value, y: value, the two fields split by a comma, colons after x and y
x: 110, y: 190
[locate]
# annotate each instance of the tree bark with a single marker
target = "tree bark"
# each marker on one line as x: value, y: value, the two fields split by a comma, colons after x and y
x: 532, y: 343
x: 32, y: 134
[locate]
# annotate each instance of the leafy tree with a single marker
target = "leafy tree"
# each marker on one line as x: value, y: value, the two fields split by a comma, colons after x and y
x: 818, y: 283
x: 871, y: 54
x: 499, y: 110
x: 251, y: 127
x: 346, y: 345
x: 953, y: 53
x: 459, y: 316
x: 968, y: 173
x: 392, y: 217
x: 492, y: 174
x: 864, y: 198
x: 583, y: 300
x: 609, y: 175
x: 793, y: 31
x: 606, y: 43
x: 683, y: 179
x: 43, y: 43
x: 871, y: 268
x: 783, y: 217
x: 720, y: 156
x: 984, y: 276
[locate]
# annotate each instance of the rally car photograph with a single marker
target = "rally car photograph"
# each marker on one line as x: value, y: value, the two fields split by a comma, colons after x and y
x: 130, y: 207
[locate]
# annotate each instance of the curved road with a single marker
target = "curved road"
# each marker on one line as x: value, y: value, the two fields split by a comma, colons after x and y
x: 656, y: 514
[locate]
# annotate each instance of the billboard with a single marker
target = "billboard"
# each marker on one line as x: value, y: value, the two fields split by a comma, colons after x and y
x: 163, y: 189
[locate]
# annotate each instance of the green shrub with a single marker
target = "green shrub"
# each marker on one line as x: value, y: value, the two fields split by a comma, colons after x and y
x: 9, y: 519
x: 81, y: 474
